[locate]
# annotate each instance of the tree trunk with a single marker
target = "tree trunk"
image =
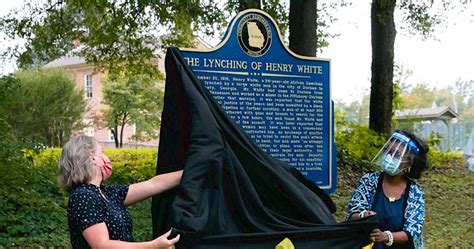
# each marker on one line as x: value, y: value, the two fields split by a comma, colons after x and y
x: 114, y: 132
x: 124, y: 122
x: 249, y: 4
x: 303, y: 27
x: 121, y: 135
x: 383, y: 41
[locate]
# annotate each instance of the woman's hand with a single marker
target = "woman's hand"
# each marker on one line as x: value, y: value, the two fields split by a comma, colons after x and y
x: 378, y: 236
x: 97, y: 236
x: 366, y: 213
x: 163, y: 242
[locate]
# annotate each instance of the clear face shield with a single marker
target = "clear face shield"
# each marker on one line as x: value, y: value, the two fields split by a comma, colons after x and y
x: 397, y: 155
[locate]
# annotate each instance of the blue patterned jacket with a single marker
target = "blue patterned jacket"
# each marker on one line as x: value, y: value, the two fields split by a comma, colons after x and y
x: 363, y: 198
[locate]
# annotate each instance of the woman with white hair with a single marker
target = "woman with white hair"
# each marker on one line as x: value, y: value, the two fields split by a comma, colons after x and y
x: 97, y: 216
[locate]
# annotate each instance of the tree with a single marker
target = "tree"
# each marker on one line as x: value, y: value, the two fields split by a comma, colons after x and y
x: 120, y: 37
x: 132, y: 100
x: 119, y: 34
x: 10, y: 148
x: 303, y: 26
x: 276, y: 9
x: 44, y: 108
x: 416, y: 14
x: 457, y: 97
x: 307, y: 21
x: 356, y: 112
x: 248, y: 4
x: 123, y: 35
x: 420, y: 96
x: 383, y: 41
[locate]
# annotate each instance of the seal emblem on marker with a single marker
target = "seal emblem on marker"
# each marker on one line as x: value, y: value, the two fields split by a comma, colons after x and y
x: 254, y: 35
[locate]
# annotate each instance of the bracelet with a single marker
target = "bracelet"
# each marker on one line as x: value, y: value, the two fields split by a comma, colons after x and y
x: 362, y: 214
x: 390, y: 238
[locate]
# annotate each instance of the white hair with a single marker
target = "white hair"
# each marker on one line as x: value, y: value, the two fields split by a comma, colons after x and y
x: 75, y: 165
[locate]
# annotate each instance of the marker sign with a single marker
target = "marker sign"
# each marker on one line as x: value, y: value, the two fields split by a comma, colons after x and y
x: 280, y: 99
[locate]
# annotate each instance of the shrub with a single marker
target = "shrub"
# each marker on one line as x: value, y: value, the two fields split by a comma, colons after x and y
x: 356, y: 146
x: 132, y: 165
x: 33, y: 208
x: 44, y: 106
x: 129, y: 165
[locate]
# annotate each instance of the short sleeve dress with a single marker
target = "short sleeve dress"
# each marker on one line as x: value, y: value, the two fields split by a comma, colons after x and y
x: 88, y: 207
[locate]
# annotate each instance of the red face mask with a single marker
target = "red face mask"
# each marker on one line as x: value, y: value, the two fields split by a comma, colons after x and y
x: 103, y: 162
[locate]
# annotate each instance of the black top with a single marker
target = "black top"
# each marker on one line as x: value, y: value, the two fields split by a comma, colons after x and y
x: 88, y: 207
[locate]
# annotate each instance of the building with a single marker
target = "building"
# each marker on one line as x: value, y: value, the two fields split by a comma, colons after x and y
x: 438, y: 120
x: 89, y: 79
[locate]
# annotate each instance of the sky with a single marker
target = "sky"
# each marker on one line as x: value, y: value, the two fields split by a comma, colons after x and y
x: 437, y: 62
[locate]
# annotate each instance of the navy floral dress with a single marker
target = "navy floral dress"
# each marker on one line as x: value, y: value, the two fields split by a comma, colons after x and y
x: 88, y: 207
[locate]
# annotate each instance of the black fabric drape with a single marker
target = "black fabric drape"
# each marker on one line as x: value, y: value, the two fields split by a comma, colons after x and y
x: 232, y: 194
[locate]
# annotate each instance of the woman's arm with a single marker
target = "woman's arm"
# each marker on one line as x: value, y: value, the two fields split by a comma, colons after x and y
x: 362, y: 197
x: 142, y: 190
x: 97, y: 236
x: 399, y: 237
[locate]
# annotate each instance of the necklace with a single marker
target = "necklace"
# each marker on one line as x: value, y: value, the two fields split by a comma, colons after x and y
x: 393, y: 192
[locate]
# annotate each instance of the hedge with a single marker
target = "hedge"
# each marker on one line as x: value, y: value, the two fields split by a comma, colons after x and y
x: 33, y: 209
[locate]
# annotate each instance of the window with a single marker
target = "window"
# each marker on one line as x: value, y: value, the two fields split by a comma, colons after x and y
x: 89, y: 131
x: 88, y: 86
x: 89, y: 127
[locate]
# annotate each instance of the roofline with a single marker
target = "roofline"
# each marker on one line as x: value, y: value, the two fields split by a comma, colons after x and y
x: 71, y: 66
x: 421, y: 116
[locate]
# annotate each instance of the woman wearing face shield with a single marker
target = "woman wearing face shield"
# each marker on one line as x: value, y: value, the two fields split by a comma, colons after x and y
x: 393, y: 194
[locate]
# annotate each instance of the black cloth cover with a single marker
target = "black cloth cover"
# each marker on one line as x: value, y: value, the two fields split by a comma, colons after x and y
x: 232, y: 194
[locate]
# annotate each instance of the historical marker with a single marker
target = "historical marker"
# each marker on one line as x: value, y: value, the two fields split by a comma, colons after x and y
x: 282, y: 100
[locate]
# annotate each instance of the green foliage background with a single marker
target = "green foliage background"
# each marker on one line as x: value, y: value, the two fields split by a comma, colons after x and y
x: 33, y: 209
x: 41, y: 107
x: 132, y: 100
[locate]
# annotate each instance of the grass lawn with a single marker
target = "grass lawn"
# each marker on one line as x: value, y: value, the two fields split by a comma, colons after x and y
x: 449, y: 196
x: 449, y: 199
